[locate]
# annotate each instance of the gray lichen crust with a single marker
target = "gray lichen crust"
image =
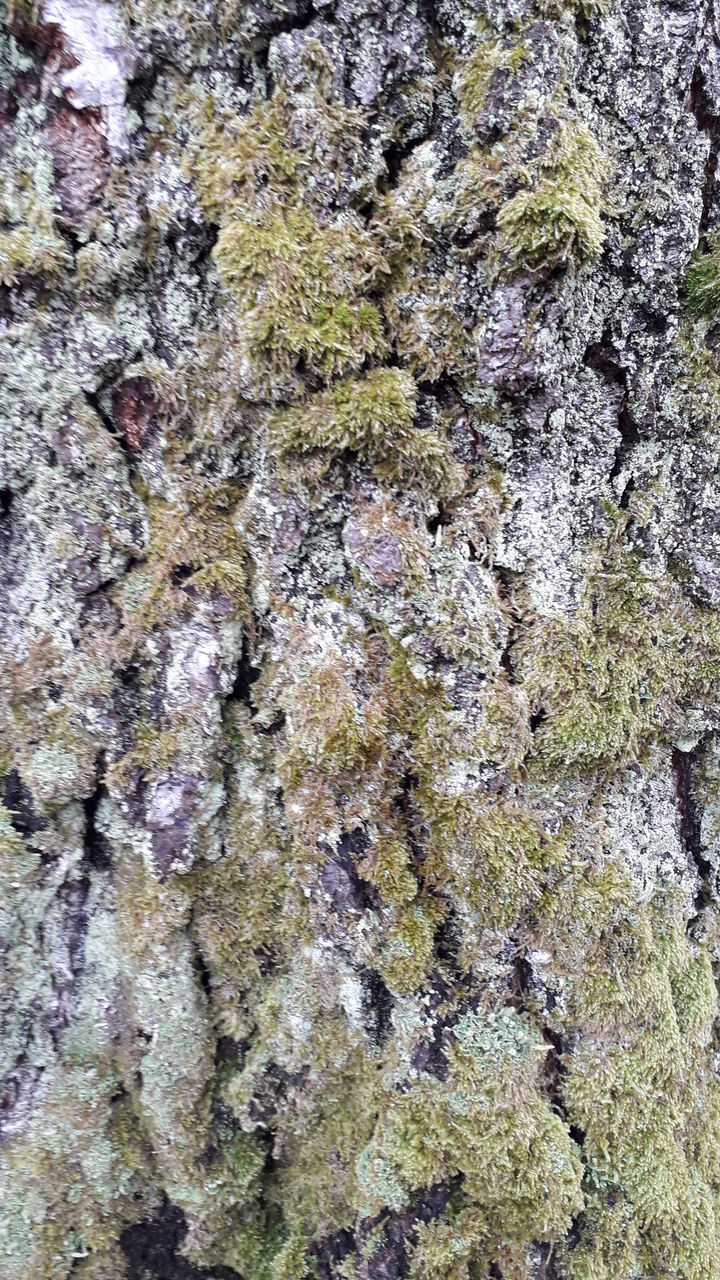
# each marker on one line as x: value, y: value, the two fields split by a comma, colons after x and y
x: 359, y: 640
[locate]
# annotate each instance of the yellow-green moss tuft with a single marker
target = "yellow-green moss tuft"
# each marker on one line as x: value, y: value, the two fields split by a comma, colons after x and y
x: 610, y: 679
x: 474, y: 78
x: 557, y: 219
x: 373, y: 416
x: 488, y: 1121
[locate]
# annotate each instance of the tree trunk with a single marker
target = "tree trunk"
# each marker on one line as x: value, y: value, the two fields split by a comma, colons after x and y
x: 360, y: 660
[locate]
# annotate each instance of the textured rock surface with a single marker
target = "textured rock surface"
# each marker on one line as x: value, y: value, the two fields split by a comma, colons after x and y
x: 360, y: 640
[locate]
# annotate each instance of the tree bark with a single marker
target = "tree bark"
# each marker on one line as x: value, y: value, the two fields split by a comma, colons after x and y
x: 360, y: 661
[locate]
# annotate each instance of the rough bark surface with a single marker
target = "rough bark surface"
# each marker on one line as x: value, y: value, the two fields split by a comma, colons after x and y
x: 360, y: 640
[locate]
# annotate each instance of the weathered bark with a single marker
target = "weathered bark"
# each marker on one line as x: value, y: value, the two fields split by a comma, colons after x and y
x: 360, y: 660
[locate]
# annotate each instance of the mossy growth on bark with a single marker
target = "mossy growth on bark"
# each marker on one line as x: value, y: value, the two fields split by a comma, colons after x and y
x: 30, y: 243
x: 612, y: 678
x: 374, y: 417
x: 702, y: 282
x: 557, y: 218
x: 299, y: 280
x: 487, y: 1123
x: 359, y: 647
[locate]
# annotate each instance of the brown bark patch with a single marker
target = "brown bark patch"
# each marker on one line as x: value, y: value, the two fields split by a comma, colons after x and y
x: 81, y: 161
x: 134, y: 409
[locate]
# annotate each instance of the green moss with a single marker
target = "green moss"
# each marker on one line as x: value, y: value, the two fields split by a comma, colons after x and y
x: 610, y: 679
x: 153, y: 754
x: 638, y: 1005
x: 29, y: 240
x: 318, y: 1181
x: 64, y: 1189
x: 279, y: 149
x: 303, y: 1031
x: 588, y: 8
x: 407, y: 953
x: 12, y: 847
x: 692, y: 382
x: 198, y: 536
x: 448, y: 1246
x: 488, y: 1121
x: 557, y: 219
x: 290, y: 1262
x: 241, y: 158
x: 32, y: 249
x: 642, y: 1095
x: 702, y: 282
x: 25, y: 10
x: 424, y: 287
x: 372, y: 415
x: 490, y: 856
x: 298, y: 274
x: 248, y: 908
x: 302, y: 285
x: 329, y: 729
x: 385, y: 865
x: 475, y: 76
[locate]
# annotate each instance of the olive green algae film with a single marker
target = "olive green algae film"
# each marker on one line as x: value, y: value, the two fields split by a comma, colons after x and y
x: 359, y: 640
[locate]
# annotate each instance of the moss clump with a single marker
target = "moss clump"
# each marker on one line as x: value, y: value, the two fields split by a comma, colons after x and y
x: 609, y: 679
x: 154, y: 751
x: 642, y: 1087
x: 407, y: 952
x: 474, y: 79
x: 329, y: 729
x: 195, y: 552
x: 634, y: 996
x: 29, y: 240
x: 302, y: 285
x: 373, y: 416
x: 427, y: 296
x: 303, y: 1031
x: 297, y: 270
x: 31, y: 249
x: 492, y: 855
x: 488, y: 1121
x: 386, y: 867
x: 248, y: 909
x: 557, y: 220
x: 588, y: 8
x: 702, y: 282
